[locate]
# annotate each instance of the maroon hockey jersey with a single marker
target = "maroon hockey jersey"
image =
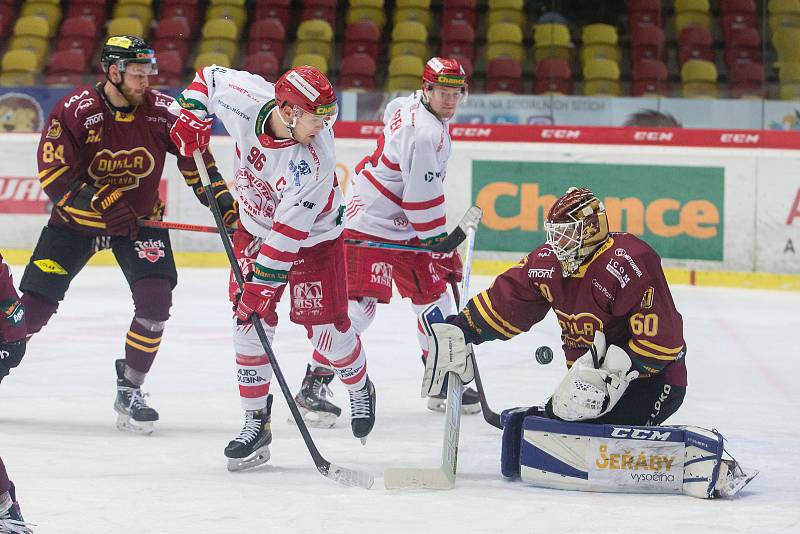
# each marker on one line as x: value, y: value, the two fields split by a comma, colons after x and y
x: 86, y: 141
x: 620, y: 290
x: 7, y: 291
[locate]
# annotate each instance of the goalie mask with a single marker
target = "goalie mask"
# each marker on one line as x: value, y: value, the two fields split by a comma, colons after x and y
x: 576, y: 226
x: 311, y: 96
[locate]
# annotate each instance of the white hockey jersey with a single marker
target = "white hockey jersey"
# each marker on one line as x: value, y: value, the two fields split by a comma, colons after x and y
x: 288, y: 194
x: 398, y: 193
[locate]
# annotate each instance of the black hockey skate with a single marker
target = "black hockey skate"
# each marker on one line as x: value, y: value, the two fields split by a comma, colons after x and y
x: 251, y: 447
x: 470, y: 401
x: 11, y: 521
x: 317, y: 411
x: 134, y: 415
x: 362, y: 411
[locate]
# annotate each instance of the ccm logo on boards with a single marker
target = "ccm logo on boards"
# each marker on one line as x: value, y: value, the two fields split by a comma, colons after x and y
x: 652, y: 136
x: 739, y: 138
x: 371, y: 129
x: 549, y: 133
x: 471, y: 132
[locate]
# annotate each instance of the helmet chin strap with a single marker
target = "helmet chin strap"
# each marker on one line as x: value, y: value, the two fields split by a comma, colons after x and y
x: 289, y: 126
x: 118, y: 87
x: 427, y: 105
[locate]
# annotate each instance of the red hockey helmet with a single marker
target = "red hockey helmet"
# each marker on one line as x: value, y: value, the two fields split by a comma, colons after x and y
x: 576, y: 226
x: 444, y: 71
x: 308, y: 89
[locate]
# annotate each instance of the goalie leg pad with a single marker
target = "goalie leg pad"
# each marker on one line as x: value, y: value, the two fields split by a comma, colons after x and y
x: 630, y: 459
x: 512, y: 420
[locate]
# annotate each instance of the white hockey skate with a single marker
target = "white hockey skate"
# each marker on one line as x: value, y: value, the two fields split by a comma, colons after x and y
x: 251, y: 447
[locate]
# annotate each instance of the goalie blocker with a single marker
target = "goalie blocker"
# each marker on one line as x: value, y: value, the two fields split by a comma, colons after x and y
x: 618, y: 458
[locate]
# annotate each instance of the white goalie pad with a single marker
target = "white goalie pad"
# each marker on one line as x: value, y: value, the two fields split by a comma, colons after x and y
x: 628, y: 459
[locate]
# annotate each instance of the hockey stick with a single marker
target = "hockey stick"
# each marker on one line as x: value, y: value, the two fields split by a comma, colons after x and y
x: 443, y: 477
x: 470, y: 219
x: 490, y: 416
x: 169, y: 225
x: 342, y: 475
x: 448, y: 244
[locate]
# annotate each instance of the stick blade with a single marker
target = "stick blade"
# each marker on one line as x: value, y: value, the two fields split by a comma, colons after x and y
x: 412, y: 478
x: 348, y: 477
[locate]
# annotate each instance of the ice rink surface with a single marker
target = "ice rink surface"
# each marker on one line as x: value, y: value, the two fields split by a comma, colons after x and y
x: 76, y: 473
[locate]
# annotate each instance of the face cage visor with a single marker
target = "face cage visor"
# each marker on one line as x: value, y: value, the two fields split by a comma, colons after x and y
x: 324, y: 117
x: 149, y: 64
x: 445, y: 93
x: 565, y: 239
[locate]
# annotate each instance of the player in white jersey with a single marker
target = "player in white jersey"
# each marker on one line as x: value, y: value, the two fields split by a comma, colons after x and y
x: 397, y: 195
x: 291, y: 222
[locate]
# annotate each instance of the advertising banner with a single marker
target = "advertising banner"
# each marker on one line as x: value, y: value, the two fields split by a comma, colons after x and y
x: 679, y: 211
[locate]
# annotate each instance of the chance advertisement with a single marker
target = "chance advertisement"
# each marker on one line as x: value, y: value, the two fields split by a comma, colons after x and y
x: 678, y: 210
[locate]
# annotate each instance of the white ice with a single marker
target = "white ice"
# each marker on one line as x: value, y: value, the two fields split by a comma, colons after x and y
x: 76, y: 473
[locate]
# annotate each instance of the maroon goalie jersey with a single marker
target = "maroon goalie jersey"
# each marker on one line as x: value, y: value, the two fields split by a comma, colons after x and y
x: 86, y: 141
x: 620, y: 290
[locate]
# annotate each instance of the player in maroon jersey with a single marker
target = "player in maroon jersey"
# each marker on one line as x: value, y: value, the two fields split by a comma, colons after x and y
x: 101, y: 157
x: 12, y: 348
x: 621, y: 333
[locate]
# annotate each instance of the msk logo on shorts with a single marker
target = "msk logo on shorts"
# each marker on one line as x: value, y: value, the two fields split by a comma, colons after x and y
x: 308, y: 296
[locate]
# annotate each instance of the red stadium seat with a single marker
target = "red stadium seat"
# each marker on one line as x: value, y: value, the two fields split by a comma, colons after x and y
x: 173, y: 34
x: 319, y: 9
x: 553, y: 75
x: 458, y: 38
x: 265, y: 64
x: 650, y: 76
x: 78, y: 32
x: 73, y: 61
x: 274, y: 9
x: 647, y: 42
x: 638, y: 6
x: 737, y: 21
x: 7, y: 19
x: 747, y: 80
x: 504, y: 74
x: 460, y: 11
x: 738, y: 6
x: 170, y: 63
x: 191, y: 13
x: 357, y: 71
x: 66, y: 79
x: 267, y: 35
x: 98, y: 11
x: 695, y: 42
x: 645, y: 19
x: 166, y: 80
x: 362, y: 38
x: 743, y: 46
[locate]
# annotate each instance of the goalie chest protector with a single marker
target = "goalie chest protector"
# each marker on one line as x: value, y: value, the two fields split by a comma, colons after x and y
x: 610, y: 458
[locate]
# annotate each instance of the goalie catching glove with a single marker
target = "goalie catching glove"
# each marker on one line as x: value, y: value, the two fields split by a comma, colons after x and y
x: 594, y: 383
x: 448, y: 352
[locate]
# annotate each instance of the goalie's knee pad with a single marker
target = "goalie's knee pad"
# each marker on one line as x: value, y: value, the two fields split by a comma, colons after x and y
x: 617, y: 458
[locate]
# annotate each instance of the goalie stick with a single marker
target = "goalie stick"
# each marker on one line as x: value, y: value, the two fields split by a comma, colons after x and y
x: 448, y: 244
x: 342, y: 475
x: 444, y: 476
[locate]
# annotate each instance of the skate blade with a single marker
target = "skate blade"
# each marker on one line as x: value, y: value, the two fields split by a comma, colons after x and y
x: 259, y: 457
x: 438, y: 405
x: 734, y: 484
x: 316, y: 419
x: 126, y: 424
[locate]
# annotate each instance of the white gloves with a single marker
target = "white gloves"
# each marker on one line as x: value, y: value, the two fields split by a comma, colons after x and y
x: 594, y: 385
x: 447, y: 352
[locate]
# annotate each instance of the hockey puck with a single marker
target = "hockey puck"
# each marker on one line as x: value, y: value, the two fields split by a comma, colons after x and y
x: 544, y: 355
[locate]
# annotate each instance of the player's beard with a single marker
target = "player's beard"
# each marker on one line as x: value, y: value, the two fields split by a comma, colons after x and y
x: 134, y: 97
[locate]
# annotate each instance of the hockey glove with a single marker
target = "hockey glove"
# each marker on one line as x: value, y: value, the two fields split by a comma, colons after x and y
x: 118, y: 215
x: 594, y: 383
x: 12, y: 335
x: 189, y: 133
x: 228, y: 206
x: 447, y: 264
x: 447, y: 352
x: 257, y: 298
